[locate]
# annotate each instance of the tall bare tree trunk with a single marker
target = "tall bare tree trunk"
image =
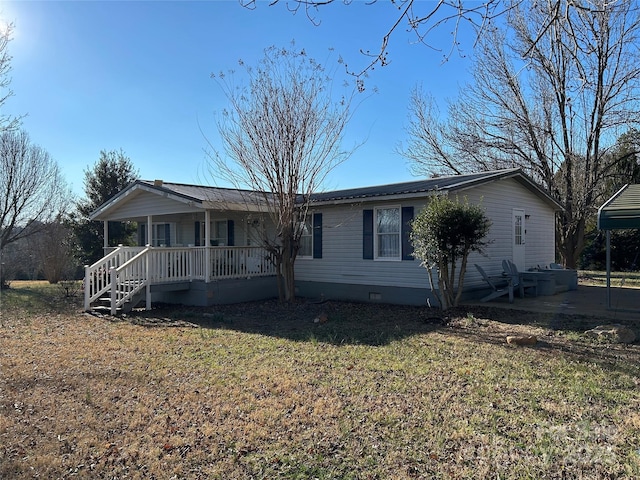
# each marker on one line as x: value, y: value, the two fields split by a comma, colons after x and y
x: 551, y: 93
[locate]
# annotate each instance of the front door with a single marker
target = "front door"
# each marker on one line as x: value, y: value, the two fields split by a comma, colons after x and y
x: 518, y: 238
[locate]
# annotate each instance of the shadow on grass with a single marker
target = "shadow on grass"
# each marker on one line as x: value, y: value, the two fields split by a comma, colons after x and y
x: 352, y: 323
x: 379, y: 325
x: 337, y: 323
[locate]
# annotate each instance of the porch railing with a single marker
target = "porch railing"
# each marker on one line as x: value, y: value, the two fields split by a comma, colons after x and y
x: 240, y: 262
x: 171, y: 264
x: 129, y: 279
x: 176, y: 264
x: 97, y: 279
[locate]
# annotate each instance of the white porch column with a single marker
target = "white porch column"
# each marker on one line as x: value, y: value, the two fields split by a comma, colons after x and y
x: 148, y: 264
x: 105, y: 230
x: 207, y: 244
x: 149, y: 229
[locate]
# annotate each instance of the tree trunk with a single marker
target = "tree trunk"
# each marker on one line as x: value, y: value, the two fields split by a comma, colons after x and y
x: 287, y: 270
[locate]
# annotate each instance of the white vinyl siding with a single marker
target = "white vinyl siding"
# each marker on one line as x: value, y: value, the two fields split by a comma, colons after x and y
x: 343, y: 240
x: 342, y: 262
x: 538, y: 236
x: 145, y: 203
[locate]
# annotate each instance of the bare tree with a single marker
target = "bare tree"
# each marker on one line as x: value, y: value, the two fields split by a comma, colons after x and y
x: 32, y: 190
x: 423, y: 18
x: 7, y: 122
x: 282, y: 135
x: 54, y: 248
x: 551, y: 98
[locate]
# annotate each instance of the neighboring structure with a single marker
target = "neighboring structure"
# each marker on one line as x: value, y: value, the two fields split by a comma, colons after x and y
x: 204, y: 242
x: 620, y: 212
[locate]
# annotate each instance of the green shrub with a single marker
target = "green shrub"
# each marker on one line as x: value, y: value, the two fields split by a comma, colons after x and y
x: 444, y: 233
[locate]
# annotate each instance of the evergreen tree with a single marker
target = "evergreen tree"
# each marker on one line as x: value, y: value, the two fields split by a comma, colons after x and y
x: 109, y: 175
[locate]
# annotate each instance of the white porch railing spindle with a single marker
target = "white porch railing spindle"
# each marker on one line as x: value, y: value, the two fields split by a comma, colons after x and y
x: 114, y: 288
x: 132, y: 268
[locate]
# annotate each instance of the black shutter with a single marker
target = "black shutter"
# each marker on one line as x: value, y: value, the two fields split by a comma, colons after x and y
x: 167, y: 234
x: 142, y: 234
x: 407, y: 247
x: 231, y: 237
x: 367, y: 234
x: 317, y: 235
x: 196, y: 234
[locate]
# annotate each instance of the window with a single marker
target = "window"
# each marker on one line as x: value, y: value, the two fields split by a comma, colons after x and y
x: 306, y: 239
x: 387, y: 233
x: 517, y: 233
x: 162, y: 234
x: 219, y: 233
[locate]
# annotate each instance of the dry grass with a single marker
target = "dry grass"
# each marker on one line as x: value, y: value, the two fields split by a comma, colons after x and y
x: 260, y: 391
x: 617, y: 279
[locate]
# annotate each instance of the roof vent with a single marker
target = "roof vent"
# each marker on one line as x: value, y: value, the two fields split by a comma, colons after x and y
x: 157, y: 183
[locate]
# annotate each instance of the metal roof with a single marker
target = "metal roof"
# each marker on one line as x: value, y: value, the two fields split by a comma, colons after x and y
x: 622, y: 211
x: 195, y: 196
x: 205, y: 197
x: 202, y: 193
x: 429, y: 186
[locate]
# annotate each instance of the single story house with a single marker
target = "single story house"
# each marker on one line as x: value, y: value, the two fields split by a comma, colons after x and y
x: 201, y: 245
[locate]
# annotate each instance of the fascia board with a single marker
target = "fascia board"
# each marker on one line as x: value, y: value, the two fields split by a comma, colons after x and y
x: 378, y: 198
x: 234, y: 206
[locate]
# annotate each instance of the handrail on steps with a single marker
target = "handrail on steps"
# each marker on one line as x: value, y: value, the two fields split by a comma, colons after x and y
x: 96, y: 276
x: 128, y: 279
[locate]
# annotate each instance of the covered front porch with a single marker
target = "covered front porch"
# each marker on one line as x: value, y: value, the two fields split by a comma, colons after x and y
x: 127, y: 275
x: 189, y: 238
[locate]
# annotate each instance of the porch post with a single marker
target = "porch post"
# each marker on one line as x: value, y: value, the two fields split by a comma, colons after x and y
x: 105, y: 235
x: 149, y: 229
x: 207, y: 247
x: 147, y: 295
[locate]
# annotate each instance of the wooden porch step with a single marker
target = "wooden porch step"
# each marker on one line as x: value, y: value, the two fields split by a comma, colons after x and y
x: 104, y: 303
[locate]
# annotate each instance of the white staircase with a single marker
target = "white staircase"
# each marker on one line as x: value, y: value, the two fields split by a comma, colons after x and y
x: 119, y: 281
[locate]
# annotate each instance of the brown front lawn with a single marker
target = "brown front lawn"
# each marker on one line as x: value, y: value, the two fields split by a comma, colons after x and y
x: 262, y: 391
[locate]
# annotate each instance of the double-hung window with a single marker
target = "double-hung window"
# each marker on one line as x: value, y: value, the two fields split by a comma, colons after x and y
x: 162, y: 234
x: 219, y: 233
x: 387, y: 233
x: 306, y: 238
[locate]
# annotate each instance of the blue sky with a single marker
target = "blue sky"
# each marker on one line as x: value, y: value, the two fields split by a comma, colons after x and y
x: 135, y: 76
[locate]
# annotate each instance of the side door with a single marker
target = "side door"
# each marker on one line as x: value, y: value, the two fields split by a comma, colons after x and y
x: 518, y: 238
